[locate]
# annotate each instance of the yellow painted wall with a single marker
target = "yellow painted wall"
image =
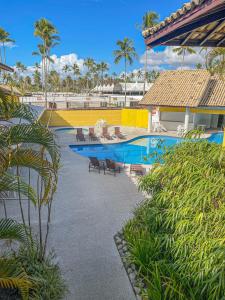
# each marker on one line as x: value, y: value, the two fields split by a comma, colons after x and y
x: 135, y: 117
x: 172, y: 109
x: 193, y: 110
x: 123, y: 117
x: 66, y: 118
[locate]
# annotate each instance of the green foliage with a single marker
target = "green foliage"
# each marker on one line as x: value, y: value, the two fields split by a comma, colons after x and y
x: 47, y: 275
x: 10, y: 229
x: 176, y: 238
x: 12, y: 276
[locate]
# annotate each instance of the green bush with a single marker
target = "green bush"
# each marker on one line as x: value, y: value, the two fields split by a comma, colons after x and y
x: 45, y: 273
x: 177, y: 237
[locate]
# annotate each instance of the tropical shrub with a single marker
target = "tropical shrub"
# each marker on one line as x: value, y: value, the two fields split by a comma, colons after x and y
x: 29, y: 162
x: 176, y: 238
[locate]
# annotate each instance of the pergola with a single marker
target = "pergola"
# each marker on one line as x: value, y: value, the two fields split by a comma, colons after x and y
x: 199, y: 23
x: 6, y: 68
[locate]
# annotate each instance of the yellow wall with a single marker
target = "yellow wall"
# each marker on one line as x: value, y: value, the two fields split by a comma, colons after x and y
x: 135, y: 117
x: 172, y: 109
x: 193, y: 110
x: 63, y: 118
x: 123, y: 117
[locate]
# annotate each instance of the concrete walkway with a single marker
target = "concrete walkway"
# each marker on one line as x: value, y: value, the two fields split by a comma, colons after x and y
x: 89, y: 209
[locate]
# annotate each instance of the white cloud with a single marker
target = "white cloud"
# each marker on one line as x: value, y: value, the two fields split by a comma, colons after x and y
x: 68, y: 59
x: 8, y: 45
x: 59, y: 63
x: 167, y: 59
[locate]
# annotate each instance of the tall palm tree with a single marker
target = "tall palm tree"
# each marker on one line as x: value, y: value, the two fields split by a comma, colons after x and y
x: 47, y: 32
x: 21, y: 68
x: 127, y: 52
x: 76, y: 72
x: 182, y: 51
x: 103, y: 67
x: 66, y: 69
x: 149, y: 20
x: 215, y: 61
x: 89, y: 63
x: 4, y: 38
x: 139, y: 74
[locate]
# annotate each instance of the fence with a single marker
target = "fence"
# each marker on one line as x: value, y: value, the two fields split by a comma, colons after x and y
x: 89, y: 117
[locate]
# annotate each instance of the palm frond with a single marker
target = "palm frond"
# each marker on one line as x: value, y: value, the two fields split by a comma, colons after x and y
x: 12, y: 183
x: 34, y: 160
x: 12, y: 276
x: 10, y: 229
x: 31, y: 134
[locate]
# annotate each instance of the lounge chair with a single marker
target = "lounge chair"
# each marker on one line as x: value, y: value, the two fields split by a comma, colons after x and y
x: 105, y: 133
x: 112, y: 166
x: 137, y: 169
x: 80, y: 136
x: 92, y: 135
x: 118, y: 133
x: 95, y: 164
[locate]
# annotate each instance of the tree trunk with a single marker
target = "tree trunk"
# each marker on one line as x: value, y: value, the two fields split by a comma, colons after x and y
x: 125, y: 82
x: 145, y: 69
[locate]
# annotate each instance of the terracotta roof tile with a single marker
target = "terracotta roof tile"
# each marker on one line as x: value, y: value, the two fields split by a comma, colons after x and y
x: 186, y: 8
x: 178, y: 88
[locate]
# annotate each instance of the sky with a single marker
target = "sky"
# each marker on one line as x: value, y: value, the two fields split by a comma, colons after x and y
x: 88, y: 28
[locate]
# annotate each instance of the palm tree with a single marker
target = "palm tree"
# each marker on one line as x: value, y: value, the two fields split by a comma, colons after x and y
x: 76, y: 72
x: 103, y: 67
x: 139, y: 74
x: 183, y: 50
x: 4, y: 38
x: 66, y: 69
x: 48, y: 34
x: 17, y: 149
x: 132, y: 76
x: 21, y: 69
x: 127, y: 52
x: 90, y: 64
x: 215, y: 61
x: 150, y: 19
x: 12, y: 274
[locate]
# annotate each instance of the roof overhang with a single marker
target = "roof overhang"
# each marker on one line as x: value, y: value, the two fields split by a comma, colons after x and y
x: 6, y: 68
x: 202, y: 24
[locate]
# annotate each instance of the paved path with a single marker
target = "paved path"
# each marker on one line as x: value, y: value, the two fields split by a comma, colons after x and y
x: 89, y: 209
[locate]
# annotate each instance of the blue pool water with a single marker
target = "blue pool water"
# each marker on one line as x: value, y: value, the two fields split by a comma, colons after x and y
x: 71, y: 130
x: 140, y: 150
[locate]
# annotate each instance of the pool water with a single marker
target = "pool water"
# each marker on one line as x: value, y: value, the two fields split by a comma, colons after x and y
x: 140, y: 150
x: 71, y: 130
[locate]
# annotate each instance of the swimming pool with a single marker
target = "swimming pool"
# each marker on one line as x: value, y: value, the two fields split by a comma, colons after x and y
x: 71, y: 130
x: 136, y: 151
x: 139, y: 150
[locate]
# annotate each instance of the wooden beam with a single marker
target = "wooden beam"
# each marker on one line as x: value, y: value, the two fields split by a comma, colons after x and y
x: 157, y: 40
x: 211, y: 32
x: 220, y: 42
x: 183, y: 25
x: 187, y: 38
x: 6, y: 68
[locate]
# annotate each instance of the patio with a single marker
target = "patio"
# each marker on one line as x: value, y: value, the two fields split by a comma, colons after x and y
x: 89, y: 209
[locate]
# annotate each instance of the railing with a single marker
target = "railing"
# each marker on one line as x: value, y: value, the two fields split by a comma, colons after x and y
x: 70, y: 102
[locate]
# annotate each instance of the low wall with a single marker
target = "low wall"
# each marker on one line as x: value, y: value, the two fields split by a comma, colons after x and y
x: 67, y: 118
x: 135, y: 117
x: 89, y: 117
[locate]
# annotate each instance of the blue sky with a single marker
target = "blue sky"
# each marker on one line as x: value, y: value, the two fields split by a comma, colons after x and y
x: 88, y: 28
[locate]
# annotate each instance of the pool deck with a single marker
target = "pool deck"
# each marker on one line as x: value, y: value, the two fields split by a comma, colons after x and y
x: 130, y: 133
x: 89, y: 209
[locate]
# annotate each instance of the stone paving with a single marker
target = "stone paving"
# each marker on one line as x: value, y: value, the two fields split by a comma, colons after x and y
x: 89, y: 209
